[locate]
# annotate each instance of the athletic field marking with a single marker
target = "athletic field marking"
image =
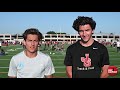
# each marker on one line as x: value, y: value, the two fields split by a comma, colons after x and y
x: 60, y: 72
x: 55, y: 67
x: 7, y: 72
x: 50, y: 55
x: 3, y: 72
x: 64, y: 66
x: 4, y: 67
x: 57, y: 59
x: 60, y: 67
x: 52, y: 59
x: 4, y: 59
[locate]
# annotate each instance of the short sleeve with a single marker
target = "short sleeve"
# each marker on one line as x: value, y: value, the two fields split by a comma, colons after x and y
x: 68, y: 58
x: 12, y: 68
x: 49, y: 70
x: 105, y: 57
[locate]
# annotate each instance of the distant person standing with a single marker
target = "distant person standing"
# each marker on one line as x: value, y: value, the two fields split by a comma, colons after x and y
x: 2, y: 52
x: 0, y: 44
x: 86, y: 58
x: 31, y: 63
x: 118, y: 45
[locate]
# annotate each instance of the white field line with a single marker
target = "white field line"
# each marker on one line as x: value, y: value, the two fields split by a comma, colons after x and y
x: 115, y: 58
x: 52, y: 59
x: 60, y: 72
x: 55, y: 67
x: 7, y: 72
x: 3, y: 72
x: 55, y: 72
x: 4, y: 67
x: 4, y: 59
x: 50, y: 55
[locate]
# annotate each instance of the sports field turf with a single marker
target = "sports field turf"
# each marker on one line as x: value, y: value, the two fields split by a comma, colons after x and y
x: 57, y: 57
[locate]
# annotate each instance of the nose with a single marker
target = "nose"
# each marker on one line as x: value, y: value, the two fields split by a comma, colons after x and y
x: 32, y: 43
x: 84, y: 33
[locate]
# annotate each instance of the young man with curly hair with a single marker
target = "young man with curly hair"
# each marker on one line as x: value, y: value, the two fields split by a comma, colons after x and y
x: 86, y: 58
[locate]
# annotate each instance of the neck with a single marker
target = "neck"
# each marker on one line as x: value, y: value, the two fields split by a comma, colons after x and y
x: 86, y: 44
x: 30, y: 54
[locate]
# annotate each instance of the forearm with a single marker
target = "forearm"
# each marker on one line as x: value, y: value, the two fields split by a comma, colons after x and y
x: 69, y: 71
x: 12, y: 77
x: 69, y: 74
x: 49, y: 76
x: 104, y: 75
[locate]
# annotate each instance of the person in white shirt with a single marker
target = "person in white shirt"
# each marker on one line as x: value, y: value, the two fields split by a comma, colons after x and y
x: 118, y: 45
x: 31, y: 63
x: 0, y: 44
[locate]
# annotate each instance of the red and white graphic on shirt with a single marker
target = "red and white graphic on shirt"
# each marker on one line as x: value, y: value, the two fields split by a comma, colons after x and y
x: 86, y: 60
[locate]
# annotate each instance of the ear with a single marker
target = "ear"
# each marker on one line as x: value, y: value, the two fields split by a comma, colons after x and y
x: 24, y: 43
x: 93, y: 31
x: 39, y: 43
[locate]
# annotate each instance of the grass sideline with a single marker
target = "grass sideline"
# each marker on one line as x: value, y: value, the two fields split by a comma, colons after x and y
x: 57, y: 57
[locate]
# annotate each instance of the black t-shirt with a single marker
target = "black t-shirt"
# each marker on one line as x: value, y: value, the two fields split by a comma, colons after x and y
x: 86, y: 62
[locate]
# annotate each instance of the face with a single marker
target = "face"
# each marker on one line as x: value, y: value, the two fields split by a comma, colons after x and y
x: 31, y: 43
x: 85, y: 31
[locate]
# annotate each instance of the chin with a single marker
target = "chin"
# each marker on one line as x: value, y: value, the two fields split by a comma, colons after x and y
x: 33, y: 51
x: 84, y: 41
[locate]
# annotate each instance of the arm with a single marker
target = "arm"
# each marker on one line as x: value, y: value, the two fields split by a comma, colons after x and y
x: 69, y: 71
x: 68, y: 63
x: 49, y: 76
x: 105, y: 64
x: 104, y: 73
x: 12, y: 73
x: 49, y: 70
x: 12, y: 76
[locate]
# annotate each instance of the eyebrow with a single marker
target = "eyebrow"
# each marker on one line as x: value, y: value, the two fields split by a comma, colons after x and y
x: 84, y: 30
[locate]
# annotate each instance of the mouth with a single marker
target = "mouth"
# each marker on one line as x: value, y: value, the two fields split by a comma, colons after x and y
x: 85, y: 38
x: 32, y: 48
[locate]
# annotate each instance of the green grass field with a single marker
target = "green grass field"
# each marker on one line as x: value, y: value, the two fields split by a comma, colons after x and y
x: 58, y: 60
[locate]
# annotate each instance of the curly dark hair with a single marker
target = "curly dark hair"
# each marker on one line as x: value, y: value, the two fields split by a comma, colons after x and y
x: 82, y: 20
x: 33, y: 31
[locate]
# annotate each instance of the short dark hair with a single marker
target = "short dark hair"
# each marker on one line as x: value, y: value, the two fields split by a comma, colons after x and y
x: 33, y: 31
x: 82, y: 20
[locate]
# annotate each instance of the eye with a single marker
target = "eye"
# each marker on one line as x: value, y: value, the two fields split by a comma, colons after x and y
x: 80, y: 31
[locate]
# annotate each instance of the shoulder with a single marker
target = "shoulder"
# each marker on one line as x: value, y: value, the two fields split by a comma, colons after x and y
x: 100, y: 45
x: 72, y: 46
x: 43, y: 55
x: 19, y: 55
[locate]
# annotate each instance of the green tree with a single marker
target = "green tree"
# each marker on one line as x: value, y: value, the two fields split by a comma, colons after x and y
x: 50, y: 32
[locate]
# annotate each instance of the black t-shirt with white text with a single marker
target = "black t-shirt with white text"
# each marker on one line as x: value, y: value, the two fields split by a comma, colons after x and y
x: 86, y: 62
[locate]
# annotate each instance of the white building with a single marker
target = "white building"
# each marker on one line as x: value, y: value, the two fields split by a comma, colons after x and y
x: 62, y: 37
